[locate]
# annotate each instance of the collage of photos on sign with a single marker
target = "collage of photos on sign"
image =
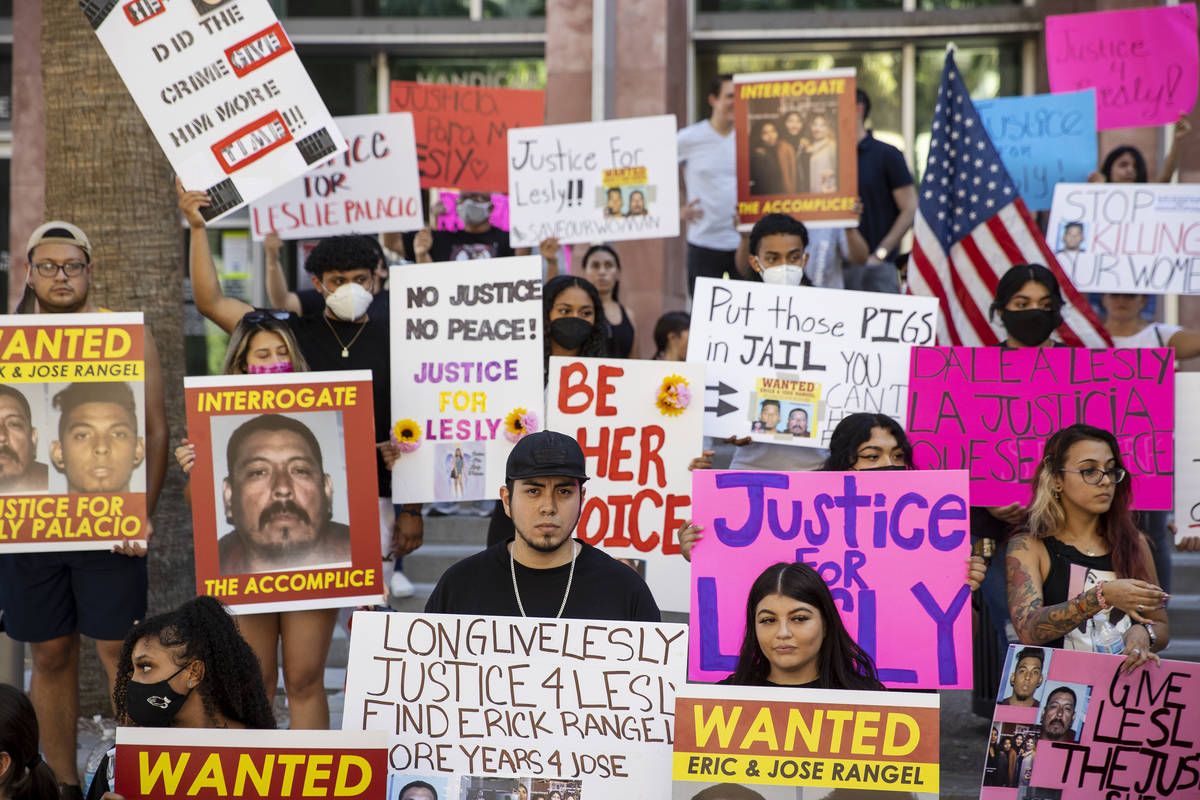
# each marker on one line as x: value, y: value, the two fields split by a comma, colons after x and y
x: 785, y: 408
x: 793, y: 145
x: 72, y: 438
x: 694, y: 790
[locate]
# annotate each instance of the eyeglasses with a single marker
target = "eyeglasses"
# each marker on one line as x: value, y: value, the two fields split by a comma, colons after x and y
x: 1093, y: 475
x: 258, y: 315
x: 48, y: 269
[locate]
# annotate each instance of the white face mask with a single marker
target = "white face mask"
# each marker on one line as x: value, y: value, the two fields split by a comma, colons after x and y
x: 349, y: 302
x: 786, y: 275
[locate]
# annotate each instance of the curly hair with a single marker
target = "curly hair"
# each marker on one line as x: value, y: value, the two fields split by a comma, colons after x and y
x: 205, y: 631
x: 28, y: 777
x: 1116, y: 526
x: 841, y: 663
x: 342, y: 253
x: 596, y: 345
x: 853, y: 431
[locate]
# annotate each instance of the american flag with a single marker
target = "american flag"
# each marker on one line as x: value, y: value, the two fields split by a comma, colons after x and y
x: 972, y: 226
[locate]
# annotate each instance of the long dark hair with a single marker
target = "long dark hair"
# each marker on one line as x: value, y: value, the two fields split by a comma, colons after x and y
x: 28, y: 777
x: 853, y: 431
x: 1017, y: 276
x: 596, y: 345
x: 232, y: 683
x: 597, y: 248
x: 1139, y: 162
x: 841, y: 663
x: 668, y: 323
x: 1116, y: 526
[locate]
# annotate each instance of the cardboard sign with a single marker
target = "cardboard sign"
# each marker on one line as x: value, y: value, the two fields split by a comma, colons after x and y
x: 370, y: 188
x: 223, y: 91
x: 461, y: 130
x: 1187, y: 457
x: 581, y: 707
x: 167, y: 763
x: 1089, y: 731
x: 70, y: 383
x: 797, y: 147
x: 776, y: 356
x: 1043, y: 139
x: 638, y: 442
x: 594, y: 181
x: 768, y: 737
x: 990, y: 410
x: 466, y: 373
x: 283, y: 503
x: 1142, y: 62
x: 1128, y: 238
x: 890, y: 545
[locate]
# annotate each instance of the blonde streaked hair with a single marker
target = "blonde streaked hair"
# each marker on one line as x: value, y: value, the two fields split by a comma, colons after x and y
x: 243, y: 332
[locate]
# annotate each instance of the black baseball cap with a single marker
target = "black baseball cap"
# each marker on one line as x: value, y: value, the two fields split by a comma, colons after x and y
x: 545, y: 454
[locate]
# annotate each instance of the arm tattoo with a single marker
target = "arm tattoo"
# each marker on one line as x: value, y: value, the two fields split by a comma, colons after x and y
x: 1037, y: 623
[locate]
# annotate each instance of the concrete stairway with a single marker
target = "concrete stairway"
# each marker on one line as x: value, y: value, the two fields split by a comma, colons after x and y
x: 1183, y: 610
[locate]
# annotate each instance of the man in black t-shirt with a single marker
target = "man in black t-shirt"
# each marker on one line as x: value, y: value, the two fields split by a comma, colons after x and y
x: 889, y: 202
x: 543, y: 571
x: 478, y: 238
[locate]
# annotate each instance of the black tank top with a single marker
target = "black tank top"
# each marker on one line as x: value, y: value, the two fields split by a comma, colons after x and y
x: 1056, y: 588
x: 622, y: 336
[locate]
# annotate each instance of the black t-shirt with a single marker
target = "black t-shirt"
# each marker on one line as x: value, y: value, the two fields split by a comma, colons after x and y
x: 370, y: 350
x: 603, y: 588
x: 463, y: 246
x: 728, y: 681
x: 881, y: 169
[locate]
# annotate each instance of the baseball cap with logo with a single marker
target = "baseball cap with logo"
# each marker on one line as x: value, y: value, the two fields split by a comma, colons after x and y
x: 56, y: 231
x: 545, y: 454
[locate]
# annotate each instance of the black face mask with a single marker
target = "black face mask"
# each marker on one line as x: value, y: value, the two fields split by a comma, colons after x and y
x: 1031, y: 326
x: 888, y: 468
x: 154, y: 705
x: 570, y: 332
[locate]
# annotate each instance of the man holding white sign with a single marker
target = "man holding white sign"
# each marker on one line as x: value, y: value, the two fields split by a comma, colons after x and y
x: 544, y: 571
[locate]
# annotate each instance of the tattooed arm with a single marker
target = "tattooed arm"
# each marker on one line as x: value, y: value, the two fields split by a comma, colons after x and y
x: 1036, y: 623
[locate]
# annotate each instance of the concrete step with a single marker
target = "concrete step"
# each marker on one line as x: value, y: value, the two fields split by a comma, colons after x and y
x: 1183, y: 612
x: 427, y: 563
x: 456, y: 529
x: 1185, y: 571
x: 1186, y: 649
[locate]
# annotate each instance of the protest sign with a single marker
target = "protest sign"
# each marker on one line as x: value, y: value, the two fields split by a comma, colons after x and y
x: 1187, y: 457
x: 283, y: 503
x: 894, y: 564
x: 579, y: 706
x: 449, y: 220
x: 639, y: 427
x: 798, y: 146
x: 775, y: 353
x: 1142, y: 62
x: 1043, y: 139
x: 1128, y: 238
x: 223, y: 92
x: 593, y: 181
x: 989, y: 410
x: 1090, y: 731
x: 168, y: 763
x: 466, y: 373
x: 72, y: 385
x: 781, y: 736
x: 370, y: 188
x: 462, y: 130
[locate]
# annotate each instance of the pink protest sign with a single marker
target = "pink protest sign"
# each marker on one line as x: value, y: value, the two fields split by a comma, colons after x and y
x: 892, y: 546
x: 1142, y: 62
x: 1088, y: 731
x: 449, y: 220
x: 990, y: 410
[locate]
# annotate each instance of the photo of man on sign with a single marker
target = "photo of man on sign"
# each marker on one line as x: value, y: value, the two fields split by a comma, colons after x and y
x: 20, y: 471
x: 278, y: 497
x: 98, y: 446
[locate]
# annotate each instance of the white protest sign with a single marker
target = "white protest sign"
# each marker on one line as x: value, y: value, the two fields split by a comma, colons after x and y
x: 586, y: 706
x: 639, y: 424
x: 466, y: 373
x: 1187, y: 456
x: 1128, y: 238
x: 784, y: 364
x: 373, y: 187
x: 593, y: 181
x: 223, y: 91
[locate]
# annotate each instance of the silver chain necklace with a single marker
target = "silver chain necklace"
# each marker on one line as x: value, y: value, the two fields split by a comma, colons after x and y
x: 512, y: 567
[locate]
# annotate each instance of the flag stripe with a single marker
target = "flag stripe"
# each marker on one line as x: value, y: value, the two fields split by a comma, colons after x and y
x: 930, y: 278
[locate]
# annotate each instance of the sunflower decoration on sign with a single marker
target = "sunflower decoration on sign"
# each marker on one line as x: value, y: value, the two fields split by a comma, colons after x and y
x: 406, y: 434
x: 518, y: 423
x: 674, y: 395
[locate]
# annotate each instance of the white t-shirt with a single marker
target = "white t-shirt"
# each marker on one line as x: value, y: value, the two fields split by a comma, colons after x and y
x: 1147, y: 337
x: 710, y: 171
x: 828, y: 251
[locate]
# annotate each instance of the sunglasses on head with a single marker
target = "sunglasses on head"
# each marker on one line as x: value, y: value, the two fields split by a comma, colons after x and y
x: 258, y: 315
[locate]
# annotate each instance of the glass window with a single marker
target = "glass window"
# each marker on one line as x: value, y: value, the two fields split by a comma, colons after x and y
x: 513, y: 73
x: 345, y: 83
x: 514, y: 8
x: 793, y: 5
x: 373, y: 8
x: 989, y: 70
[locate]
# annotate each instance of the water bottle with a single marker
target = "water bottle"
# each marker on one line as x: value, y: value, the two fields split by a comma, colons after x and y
x: 108, y: 739
x: 1105, y: 637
